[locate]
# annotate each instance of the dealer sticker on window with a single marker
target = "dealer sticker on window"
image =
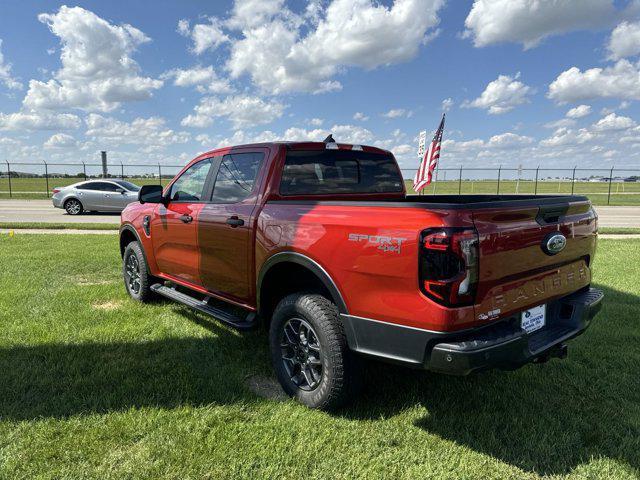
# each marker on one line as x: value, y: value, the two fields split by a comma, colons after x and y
x: 533, y: 319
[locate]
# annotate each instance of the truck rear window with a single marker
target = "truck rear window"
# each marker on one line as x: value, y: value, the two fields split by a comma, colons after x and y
x: 339, y: 171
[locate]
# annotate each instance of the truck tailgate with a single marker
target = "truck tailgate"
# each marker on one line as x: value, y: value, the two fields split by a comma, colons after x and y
x: 515, y: 271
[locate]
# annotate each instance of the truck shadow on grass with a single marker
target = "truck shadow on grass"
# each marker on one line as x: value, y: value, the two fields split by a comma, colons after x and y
x: 59, y: 381
x: 545, y: 418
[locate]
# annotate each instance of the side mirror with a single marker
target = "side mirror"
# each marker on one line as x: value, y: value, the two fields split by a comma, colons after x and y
x: 121, y: 191
x: 150, y: 194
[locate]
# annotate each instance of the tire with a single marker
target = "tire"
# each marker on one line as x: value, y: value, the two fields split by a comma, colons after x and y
x: 135, y: 273
x: 73, y: 206
x: 332, y: 373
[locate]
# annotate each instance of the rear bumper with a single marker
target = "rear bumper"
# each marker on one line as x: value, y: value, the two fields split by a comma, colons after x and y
x: 57, y: 202
x: 503, y: 345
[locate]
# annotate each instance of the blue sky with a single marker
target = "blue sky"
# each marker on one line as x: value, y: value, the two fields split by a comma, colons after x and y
x: 163, y: 81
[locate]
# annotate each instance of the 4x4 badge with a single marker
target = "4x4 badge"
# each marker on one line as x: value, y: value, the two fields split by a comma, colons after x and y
x: 386, y: 244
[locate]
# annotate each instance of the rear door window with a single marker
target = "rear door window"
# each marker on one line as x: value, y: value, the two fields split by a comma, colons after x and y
x: 96, y: 186
x: 339, y: 171
x: 236, y: 177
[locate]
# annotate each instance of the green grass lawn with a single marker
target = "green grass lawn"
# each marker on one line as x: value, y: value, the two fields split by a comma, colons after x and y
x: 93, y: 385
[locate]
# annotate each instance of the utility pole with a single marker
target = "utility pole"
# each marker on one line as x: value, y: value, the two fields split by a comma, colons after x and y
x: 105, y: 173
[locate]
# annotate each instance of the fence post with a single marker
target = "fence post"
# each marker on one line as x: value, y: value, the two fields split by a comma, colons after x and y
x: 46, y: 176
x: 499, y: 173
x: 610, y: 180
x: 573, y: 180
x: 84, y: 170
x: 460, y: 181
x: 160, y: 174
x: 9, y: 177
x: 121, y: 171
x: 535, y: 192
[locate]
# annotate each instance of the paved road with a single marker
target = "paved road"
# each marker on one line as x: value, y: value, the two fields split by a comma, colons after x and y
x: 618, y: 216
x: 43, y: 211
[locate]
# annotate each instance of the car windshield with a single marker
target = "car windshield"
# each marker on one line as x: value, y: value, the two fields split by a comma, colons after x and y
x: 128, y: 185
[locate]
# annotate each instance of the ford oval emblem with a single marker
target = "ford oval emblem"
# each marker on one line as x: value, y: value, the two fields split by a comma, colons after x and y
x: 554, y: 243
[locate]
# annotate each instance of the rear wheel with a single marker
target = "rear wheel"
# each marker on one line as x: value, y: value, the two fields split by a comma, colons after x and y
x: 310, y: 354
x: 135, y: 273
x: 73, y: 206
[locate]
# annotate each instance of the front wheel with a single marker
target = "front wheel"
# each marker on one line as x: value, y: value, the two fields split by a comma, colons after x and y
x: 135, y: 273
x: 73, y: 206
x: 310, y: 354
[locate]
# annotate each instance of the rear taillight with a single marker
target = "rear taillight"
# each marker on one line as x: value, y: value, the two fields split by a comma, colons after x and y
x: 449, y: 265
x: 56, y: 190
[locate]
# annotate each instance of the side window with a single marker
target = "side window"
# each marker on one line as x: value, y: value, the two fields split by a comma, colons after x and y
x: 189, y: 187
x: 110, y: 187
x: 236, y: 177
x: 94, y: 186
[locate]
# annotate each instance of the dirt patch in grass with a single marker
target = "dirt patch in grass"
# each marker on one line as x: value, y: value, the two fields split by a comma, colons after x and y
x: 107, y: 306
x: 90, y: 282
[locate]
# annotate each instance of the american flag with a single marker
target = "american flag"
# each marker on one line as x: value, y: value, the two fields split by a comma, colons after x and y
x: 429, y: 160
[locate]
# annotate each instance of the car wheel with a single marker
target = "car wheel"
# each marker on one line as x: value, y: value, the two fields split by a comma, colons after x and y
x: 135, y: 273
x: 310, y: 354
x: 73, y: 206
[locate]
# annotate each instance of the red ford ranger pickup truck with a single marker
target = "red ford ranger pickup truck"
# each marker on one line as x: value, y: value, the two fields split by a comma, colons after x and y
x: 320, y: 243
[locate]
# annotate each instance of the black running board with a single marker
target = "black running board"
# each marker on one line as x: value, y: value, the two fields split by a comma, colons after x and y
x: 246, y: 321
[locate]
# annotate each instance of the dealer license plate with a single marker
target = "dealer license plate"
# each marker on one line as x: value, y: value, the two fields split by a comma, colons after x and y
x: 533, y: 319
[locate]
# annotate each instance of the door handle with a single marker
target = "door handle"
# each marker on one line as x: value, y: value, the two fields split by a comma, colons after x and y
x: 186, y: 218
x: 234, y: 221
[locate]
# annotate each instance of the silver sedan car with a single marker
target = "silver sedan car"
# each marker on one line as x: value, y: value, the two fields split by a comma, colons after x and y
x: 95, y: 195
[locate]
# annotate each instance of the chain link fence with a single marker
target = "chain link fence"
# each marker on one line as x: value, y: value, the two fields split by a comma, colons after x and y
x: 37, y: 180
x: 610, y: 186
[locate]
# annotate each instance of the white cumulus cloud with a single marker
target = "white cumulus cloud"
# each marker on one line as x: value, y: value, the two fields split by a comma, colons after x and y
x: 242, y: 110
x: 621, y: 80
x: 36, y: 120
x: 530, y: 21
x: 285, y: 52
x: 579, y: 111
x: 509, y: 140
x: 5, y: 73
x: 624, y: 41
x: 205, y: 36
x: 60, y: 140
x: 97, y: 71
x: 150, y: 131
x: 204, y: 79
x: 567, y: 136
x: 360, y: 117
x: 613, y: 122
x: 397, y: 113
x: 502, y: 95
x: 341, y: 133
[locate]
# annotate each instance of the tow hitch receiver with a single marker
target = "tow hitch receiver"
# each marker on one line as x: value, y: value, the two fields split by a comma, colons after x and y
x: 560, y: 351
